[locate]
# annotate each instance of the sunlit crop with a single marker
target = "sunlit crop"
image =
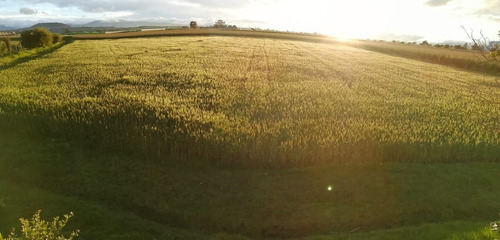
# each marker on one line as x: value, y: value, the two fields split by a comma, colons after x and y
x: 257, y: 102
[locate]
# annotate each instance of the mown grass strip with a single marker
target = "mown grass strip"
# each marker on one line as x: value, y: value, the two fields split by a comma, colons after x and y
x: 28, y: 55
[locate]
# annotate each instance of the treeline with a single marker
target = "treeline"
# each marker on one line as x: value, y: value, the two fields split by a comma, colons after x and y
x: 465, y: 46
x: 39, y: 37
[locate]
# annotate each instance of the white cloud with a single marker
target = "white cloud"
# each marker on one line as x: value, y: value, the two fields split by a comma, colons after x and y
x: 431, y: 19
x: 437, y: 3
x: 184, y: 4
x: 27, y: 11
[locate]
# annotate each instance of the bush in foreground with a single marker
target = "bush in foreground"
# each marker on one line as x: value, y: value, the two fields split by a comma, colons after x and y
x: 36, y: 229
x: 38, y: 37
x: 8, y: 45
x: 56, y: 38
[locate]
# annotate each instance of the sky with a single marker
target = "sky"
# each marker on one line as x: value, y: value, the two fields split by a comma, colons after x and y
x: 406, y: 20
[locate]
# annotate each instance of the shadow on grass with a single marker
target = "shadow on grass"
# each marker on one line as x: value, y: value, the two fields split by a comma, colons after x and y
x: 28, y: 58
x: 250, y: 202
x: 453, y: 230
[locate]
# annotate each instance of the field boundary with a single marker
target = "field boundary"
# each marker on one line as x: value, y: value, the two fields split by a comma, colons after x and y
x: 210, y: 32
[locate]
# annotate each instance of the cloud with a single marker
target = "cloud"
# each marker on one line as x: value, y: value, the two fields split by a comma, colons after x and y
x: 96, y: 6
x: 27, y: 11
x: 491, y: 9
x: 140, y: 9
x: 437, y: 3
x: 494, y: 19
x: 228, y: 4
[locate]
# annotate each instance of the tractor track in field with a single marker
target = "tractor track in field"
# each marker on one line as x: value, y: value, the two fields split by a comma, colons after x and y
x: 266, y: 60
x: 325, y: 63
x: 252, y: 59
x: 268, y: 67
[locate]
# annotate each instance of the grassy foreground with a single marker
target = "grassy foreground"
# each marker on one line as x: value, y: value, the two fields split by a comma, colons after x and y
x: 121, y: 197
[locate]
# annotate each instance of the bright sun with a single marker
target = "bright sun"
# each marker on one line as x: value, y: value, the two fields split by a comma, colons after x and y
x: 354, y: 19
x: 343, y: 19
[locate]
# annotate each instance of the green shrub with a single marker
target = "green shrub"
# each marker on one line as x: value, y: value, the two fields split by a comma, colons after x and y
x: 38, y: 37
x: 36, y: 229
x: 494, y: 227
x: 2, y: 48
x: 8, y: 44
x: 56, y: 37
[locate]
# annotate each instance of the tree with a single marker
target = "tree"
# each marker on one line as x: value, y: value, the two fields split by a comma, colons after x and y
x: 481, y: 45
x: 425, y: 43
x: 38, y: 37
x: 8, y: 44
x: 476, y: 47
x: 56, y: 37
x: 193, y: 24
x: 220, y: 24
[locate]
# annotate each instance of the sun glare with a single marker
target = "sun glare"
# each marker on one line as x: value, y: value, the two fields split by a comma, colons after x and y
x: 340, y: 19
x: 355, y: 19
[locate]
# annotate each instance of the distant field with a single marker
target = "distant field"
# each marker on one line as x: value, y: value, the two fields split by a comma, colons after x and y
x: 401, y: 48
x: 207, y: 32
x: 458, y: 58
x: 255, y: 102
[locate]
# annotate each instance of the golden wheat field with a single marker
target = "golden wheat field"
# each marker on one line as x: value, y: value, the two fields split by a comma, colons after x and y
x: 255, y: 102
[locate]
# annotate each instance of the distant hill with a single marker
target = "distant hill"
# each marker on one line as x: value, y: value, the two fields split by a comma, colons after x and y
x: 99, y: 25
x: 125, y: 24
x: 54, y: 27
x: 453, y: 43
x: 6, y: 28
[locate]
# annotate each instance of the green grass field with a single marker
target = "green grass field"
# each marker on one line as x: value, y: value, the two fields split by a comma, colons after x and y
x: 115, y: 196
x: 203, y: 137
